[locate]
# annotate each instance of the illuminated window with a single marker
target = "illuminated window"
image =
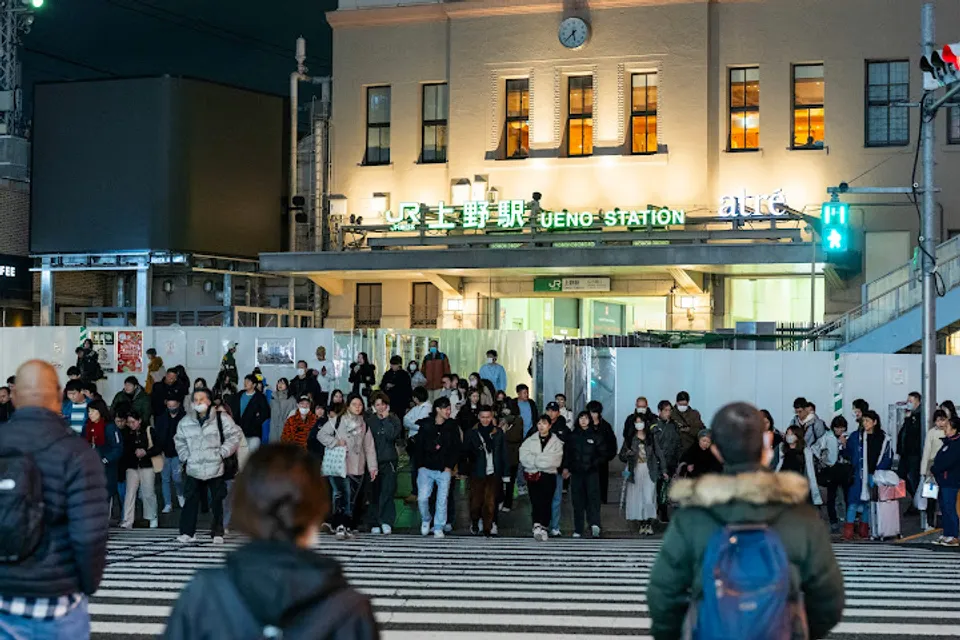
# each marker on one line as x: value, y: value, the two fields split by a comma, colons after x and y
x: 744, y: 109
x: 953, y: 124
x: 434, y: 125
x: 808, y: 106
x: 580, y: 116
x: 518, y: 118
x: 378, y: 126
x: 888, y: 82
x: 643, y: 113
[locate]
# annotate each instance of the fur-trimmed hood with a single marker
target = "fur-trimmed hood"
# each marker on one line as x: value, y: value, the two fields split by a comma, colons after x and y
x: 755, y: 488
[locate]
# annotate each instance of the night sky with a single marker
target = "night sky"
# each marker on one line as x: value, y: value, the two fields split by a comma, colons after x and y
x: 245, y: 43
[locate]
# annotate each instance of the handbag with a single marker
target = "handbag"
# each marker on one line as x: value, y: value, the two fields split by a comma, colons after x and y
x: 335, y: 459
x: 231, y: 464
x: 930, y: 490
x: 531, y: 477
x: 157, y: 460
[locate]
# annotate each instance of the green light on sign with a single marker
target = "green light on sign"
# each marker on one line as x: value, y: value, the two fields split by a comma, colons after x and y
x: 836, y: 235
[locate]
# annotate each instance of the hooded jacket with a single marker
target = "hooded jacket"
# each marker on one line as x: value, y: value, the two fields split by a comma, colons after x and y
x: 275, y: 584
x: 140, y: 402
x: 200, y: 448
x: 281, y: 406
x: 707, y: 504
x: 361, y: 450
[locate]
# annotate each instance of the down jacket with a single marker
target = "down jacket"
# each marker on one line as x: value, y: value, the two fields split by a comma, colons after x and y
x: 755, y: 497
x: 361, y: 449
x: 73, y: 550
x: 545, y: 459
x: 199, y: 446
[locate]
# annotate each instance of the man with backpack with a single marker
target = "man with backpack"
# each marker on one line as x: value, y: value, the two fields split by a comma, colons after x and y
x: 53, y: 517
x: 745, y: 556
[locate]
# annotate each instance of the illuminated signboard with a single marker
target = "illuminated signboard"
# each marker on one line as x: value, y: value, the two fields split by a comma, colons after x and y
x: 509, y: 215
x: 745, y: 205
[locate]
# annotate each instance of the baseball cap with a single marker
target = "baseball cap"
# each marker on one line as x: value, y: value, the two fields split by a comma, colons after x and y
x: 553, y: 406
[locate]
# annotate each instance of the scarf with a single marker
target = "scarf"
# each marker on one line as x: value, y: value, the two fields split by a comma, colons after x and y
x: 96, y: 433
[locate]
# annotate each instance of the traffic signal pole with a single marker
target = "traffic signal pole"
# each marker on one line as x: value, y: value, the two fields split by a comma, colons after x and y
x: 928, y: 231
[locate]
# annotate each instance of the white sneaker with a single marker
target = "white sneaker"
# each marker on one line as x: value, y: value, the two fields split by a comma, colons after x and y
x: 226, y: 531
x: 504, y: 509
x: 555, y: 533
x: 493, y: 530
x: 154, y: 524
x: 185, y: 539
x: 217, y: 539
x: 576, y: 535
x: 126, y: 526
x: 375, y: 531
x: 438, y: 534
x: 425, y: 529
x: 341, y: 532
x: 181, y: 500
x: 928, y: 528
x: 595, y: 530
x: 168, y: 509
x: 536, y: 531
x: 447, y: 528
x: 387, y: 529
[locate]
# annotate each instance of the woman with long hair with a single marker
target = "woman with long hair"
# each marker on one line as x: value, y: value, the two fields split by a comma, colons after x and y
x: 103, y: 436
x: 796, y: 456
x: 337, y: 404
x: 869, y: 450
x: 363, y: 376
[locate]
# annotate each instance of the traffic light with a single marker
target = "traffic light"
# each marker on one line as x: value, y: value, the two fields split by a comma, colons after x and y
x: 941, y: 68
x: 835, y: 234
x: 36, y: 4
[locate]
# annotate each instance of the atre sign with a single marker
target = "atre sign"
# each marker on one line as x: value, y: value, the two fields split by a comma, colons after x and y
x: 745, y: 205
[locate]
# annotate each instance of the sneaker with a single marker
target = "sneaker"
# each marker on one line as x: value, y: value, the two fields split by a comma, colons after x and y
x: 387, y: 529
x: 154, y: 524
x: 168, y: 509
x: 375, y: 531
x: 126, y: 526
x: 576, y: 535
x: 595, y: 530
x: 447, y: 528
x: 555, y: 533
x: 185, y: 539
x: 217, y: 539
x: 950, y: 542
x: 474, y: 531
x: 493, y: 530
x: 226, y: 531
x: 504, y: 509
x: 438, y: 533
x: 928, y: 528
x: 341, y: 532
x: 522, y: 491
x: 181, y: 500
x: 425, y: 529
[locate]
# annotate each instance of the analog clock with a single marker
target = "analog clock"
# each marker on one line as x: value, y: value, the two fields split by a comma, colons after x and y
x: 574, y: 32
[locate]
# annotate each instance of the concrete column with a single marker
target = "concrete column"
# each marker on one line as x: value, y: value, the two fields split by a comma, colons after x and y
x: 228, y: 300
x: 143, y: 296
x: 48, y: 308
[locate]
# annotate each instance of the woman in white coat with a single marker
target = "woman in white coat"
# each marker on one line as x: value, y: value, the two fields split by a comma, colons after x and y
x: 796, y: 456
x: 931, y: 446
x: 541, y: 454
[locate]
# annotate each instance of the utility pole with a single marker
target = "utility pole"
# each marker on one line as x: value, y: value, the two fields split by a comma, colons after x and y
x: 16, y: 18
x: 928, y: 229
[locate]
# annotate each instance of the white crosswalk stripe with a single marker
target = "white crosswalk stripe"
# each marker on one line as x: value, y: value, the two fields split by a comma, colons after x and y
x: 425, y: 589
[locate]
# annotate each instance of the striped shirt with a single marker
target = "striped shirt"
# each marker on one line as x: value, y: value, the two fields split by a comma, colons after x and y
x: 78, y: 416
x: 40, y: 608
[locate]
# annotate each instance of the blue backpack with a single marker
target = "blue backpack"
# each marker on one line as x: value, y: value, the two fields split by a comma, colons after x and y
x: 746, y: 587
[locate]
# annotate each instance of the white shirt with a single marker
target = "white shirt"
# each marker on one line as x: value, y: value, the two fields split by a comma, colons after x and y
x: 419, y: 412
x: 326, y: 382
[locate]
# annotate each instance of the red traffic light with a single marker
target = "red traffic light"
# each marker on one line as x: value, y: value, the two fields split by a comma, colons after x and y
x: 950, y: 57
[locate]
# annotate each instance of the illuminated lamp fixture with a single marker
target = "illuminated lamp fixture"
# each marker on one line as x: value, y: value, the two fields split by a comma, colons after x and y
x: 380, y: 203
x: 454, y: 304
x: 690, y: 304
x: 478, y: 191
x: 208, y: 285
x: 168, y: 286
x: 460, y: 192
x: 493, y: 195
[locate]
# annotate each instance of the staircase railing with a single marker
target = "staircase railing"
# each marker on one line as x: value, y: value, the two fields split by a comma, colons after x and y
x: 894, y: 295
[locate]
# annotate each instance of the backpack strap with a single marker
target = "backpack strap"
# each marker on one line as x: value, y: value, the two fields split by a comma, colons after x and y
x: 219, y: 426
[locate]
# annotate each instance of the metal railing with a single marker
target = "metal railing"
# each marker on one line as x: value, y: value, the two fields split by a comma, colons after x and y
x: 367, y: 316
x: 905, y: 293
x: 424, y: 316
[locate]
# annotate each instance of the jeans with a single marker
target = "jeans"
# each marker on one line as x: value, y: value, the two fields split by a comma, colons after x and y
x: 426, y: 480
x: 585, y: 495
x: 948, y: 506
x: 863, y: 508
x: 345, y: 492
x: 555, y: 505
x: 122, y: 492
x: 144, y: 480
x: 541, y: 495
x: 171, y: 476
x: 483, y: 500
x: 192, y: 490
x: 227, y: 503
x: 73, y: 626
x: 383, y: 508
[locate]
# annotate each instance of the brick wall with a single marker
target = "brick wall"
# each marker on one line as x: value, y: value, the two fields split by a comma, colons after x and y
x: 15, y: 217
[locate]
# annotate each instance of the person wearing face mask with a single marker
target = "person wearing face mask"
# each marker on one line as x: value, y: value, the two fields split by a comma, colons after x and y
x: 643, y: 467
x: 435, y: 366
x: 910, y: 448
x: 494, y: 372
x: 666, y: 439
x: 204, y: 439
x: 166, y: 426
x: 869, y: 450
x: 641, y: 412
x: 396, y: 384
x: 584, y: 451
x: 297, y: 427
x: 796, y: 457
x: 304, y: 384
x: 688, y: 420
x: 282, y: 406
x: 417, y: 379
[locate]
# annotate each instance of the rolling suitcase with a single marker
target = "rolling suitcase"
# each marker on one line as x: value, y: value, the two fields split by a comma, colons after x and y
x: 884, y: 519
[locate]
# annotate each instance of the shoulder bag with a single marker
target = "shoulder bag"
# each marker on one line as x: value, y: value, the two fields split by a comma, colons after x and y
x: 231, y: 464
x: 157, y: 460
x: 335, y: 458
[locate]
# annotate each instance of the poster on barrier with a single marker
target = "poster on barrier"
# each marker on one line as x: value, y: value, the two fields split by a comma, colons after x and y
x: 105, y: 346
x: 129, y: 351
x: 276, y: 351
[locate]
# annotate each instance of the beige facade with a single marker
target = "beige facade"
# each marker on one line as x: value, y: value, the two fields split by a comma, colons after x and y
x: 475, y: 46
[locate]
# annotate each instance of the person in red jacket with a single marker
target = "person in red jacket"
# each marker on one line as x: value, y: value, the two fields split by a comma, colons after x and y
x: 435, y: 366
x: 298, y: 425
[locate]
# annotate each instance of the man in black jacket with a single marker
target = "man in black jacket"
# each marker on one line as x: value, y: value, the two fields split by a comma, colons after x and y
x: 169, y: 387
x: 250, y: 410
x: 306, y: 384
x: 386, y: 429
x: 910, y: 447
x: 486, y: 451
x: 605, y: 429
x: 45, y: 594
x: 584, y: 451
x: 396, y: 384
x: 165, y: 427
x: 436, y: 450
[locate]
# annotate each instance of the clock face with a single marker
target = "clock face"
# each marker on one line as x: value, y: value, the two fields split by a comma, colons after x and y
x: 573, y: 33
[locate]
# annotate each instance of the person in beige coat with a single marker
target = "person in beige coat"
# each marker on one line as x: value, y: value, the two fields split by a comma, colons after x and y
x: 350, y: 431
x: 931, y: 446
x: 541, y: 454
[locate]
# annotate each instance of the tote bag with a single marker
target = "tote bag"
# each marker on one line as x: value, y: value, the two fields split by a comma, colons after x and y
x: 335, y: 459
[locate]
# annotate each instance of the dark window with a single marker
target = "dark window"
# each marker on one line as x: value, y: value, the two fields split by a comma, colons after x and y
x: 434, y: 123
x: 426, y: 305
x: 378, y: 125
x: 518, y: 118
x: 953, y: 124
x: 807, y: 112
x: 888, y: 82
x: 369, y: 307
x: 643, y: 113
x: 580, y: 116
x: 744, y: 109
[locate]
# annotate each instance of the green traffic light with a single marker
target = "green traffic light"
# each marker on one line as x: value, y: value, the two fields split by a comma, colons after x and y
x: 36, y: 3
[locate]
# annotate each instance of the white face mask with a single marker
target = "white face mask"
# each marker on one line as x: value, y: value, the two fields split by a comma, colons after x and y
x: 791, y: 439
x: 303, y: 410
x: 643, y: 410
x: 413, y: 368
x: 201, y: 407
x: 301, y: 371
x: 473, y: 383
x: 682, y: 408
x: 640, y: 426
x: 489, y: 360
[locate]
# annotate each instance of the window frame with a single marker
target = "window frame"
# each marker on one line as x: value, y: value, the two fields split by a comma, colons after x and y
x: 371, y: 322
x: 379, y: 126
x: 743, y: 109
x: 437, y: 122
x: 424, y: 315
x: 645, y: 113
x: 582, y: 116
x: 794, y: 106
x: 522, y: 119
x: 867, y: 104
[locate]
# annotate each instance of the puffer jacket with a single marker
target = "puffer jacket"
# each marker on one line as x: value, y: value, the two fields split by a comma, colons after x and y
x: 361, y: 450
x: 667, y: 439
x: 752, y: 497
x: 73, y: 550
x: 281, y: 406
x: 140, y: 402
x: 199, y: 446
x: 545, y: 459
x: 584, y: 450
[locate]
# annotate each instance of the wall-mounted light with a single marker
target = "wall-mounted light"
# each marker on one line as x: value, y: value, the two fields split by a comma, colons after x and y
x: 208, y: 285
x: 688, y: 302
x: 478, y: 192
x: 460, y: 192
x: 380, y: 202
x: 454, y: 304
x: 168, y: 286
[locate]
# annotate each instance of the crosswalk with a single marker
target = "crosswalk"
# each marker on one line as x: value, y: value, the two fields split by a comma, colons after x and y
x: 465, y: 588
